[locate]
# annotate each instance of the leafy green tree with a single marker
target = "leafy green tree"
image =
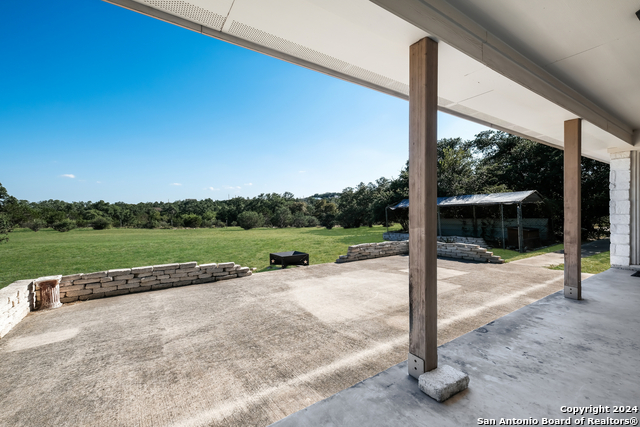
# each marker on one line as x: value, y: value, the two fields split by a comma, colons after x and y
x: 5, y: 225
x: 36, y: 224
x: 64, y: 225
x: 101, y: 223
x: 192, y: 220
x: 250, y: 219
x: 282, y: 217
x: 326, y: 212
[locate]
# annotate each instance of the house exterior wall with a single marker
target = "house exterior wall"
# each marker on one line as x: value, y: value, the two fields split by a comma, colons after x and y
x: 623, y: 187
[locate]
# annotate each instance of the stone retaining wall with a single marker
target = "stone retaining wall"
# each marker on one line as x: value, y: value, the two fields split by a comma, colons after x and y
x: 21, y: 297
x: 140, y: 279
x: 374, y: 250
x: 395, y: 237
x: 467, y: 251
x: 16, y: 301
x: 450, y: 250
x: 462, y: 239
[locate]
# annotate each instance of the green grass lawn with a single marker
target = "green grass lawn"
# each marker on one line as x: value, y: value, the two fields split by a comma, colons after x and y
x: 29, y: 254
x: 509, y: 255
x: 594, y: 264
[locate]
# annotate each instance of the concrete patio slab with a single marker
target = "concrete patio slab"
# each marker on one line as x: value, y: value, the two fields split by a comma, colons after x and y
x: 527, y: 365
x: 243, y: 352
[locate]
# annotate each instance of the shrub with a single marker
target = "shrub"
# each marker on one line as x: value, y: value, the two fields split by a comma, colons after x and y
x: 101, y: 223
x: 36, y: 224
x: 64, y: 225
x: 151, y: 224
x: 329, y: 221
x: 81, y: 223
x: 192, y: 220
x: 5, y: 226
x: 250, y: 219
x: 282, y: 217
x: 299, y: 220
x: 311, y: 221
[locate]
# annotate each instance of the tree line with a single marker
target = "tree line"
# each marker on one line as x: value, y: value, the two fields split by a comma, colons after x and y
x: 491, y: 162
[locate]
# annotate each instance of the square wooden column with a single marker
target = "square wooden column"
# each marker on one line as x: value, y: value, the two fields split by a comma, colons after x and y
x: 572, y: 208
x: 423, y: 162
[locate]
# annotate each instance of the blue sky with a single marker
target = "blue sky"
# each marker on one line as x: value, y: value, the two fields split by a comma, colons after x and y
x: 101, y: 103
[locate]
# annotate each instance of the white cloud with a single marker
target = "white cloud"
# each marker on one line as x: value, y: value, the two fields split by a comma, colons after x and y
x: 98, y: 182
x: 212, y: 189
x: 248, y: 185
x: 68, y: 175
x: 175, y: 183
x: 232, y: 188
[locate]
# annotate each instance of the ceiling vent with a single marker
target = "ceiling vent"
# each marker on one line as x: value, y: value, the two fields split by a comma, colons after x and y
x: 188, y: 11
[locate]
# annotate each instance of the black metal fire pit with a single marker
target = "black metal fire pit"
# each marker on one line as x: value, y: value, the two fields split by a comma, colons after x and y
x: 289, y: 258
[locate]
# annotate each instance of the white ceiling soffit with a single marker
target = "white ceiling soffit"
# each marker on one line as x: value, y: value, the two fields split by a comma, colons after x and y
x: 360, y: 42
x: 572, y: 52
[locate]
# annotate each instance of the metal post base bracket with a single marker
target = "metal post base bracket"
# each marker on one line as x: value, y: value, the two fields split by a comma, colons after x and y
x: 572, y: 292
x: 416, y: 366
x: 443, y: 382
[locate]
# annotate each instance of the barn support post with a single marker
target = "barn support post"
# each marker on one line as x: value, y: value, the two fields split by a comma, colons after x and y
x: 520, y: 230
x: 502, y: 221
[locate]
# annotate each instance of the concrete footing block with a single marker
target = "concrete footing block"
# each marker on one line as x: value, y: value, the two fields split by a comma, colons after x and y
x: 443, y: 382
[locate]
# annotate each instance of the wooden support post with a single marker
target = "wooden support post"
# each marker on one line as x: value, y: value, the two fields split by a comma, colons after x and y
x: 572, y: 208
x: 423, y: 118
x: 475, y: 222
x: 520, y: 231
x: 386, y: 218
x: 502, y: 221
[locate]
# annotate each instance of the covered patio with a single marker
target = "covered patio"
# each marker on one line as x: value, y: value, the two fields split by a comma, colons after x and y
x: 560, y: 73
x: 527, y: 365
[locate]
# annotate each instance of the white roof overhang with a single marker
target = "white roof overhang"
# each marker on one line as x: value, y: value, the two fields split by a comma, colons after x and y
x: 493, y: 64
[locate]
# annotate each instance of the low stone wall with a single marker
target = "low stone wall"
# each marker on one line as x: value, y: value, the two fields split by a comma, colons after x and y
x: 16, y: 301
x: 450, y: 250
x: 395, y: 237
x: 467, y: 251
x: 140, y: 279
x: 21, y: 297
x: 462, y: 239
x: 374, y: 250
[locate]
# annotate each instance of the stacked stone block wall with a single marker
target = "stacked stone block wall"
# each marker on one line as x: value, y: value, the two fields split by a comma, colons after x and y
x: 86, y: 286
x: 395, y: 237
x: 462, y: 239
x: 374, y: 250
x: 16, y: 301
x: 451, y: 250
x: 467, y: 251
x: 620, y: 208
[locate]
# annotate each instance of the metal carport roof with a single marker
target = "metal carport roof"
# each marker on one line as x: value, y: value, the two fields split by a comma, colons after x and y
x: 529, y: 196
